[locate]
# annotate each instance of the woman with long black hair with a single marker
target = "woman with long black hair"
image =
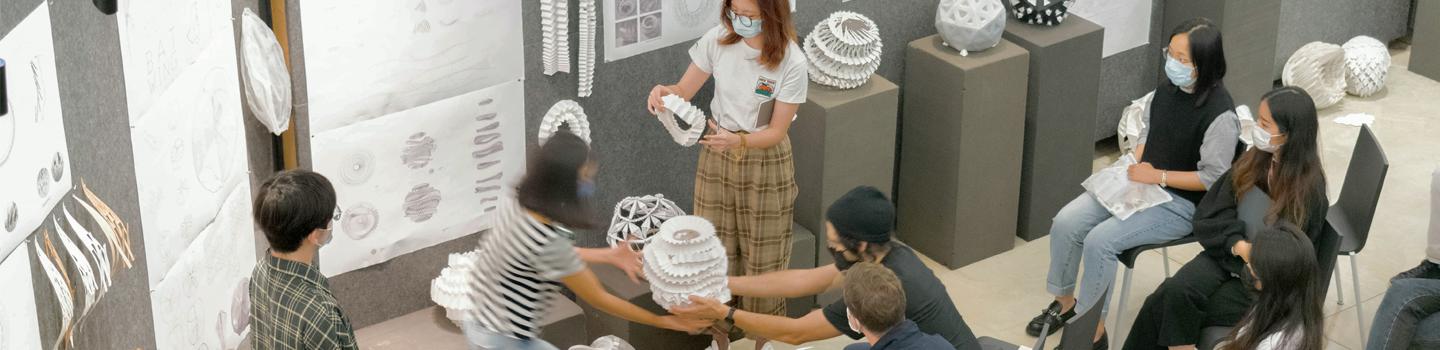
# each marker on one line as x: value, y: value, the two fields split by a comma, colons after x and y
x: 1283, y: 164
x: 1285, y: 277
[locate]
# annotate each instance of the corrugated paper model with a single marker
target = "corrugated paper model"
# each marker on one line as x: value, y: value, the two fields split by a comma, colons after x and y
x: 1042, y: 12
x: 693, y: 117
x: 588, y: 19
x: 1367, y: 62
x: 686, y: 259
x: 636, y: 219
x: 970, y: 25
x: 450, y: 289
x: 555, y: 36
x: 844, y: 50
x: 1319, y: 69
x: 568, y: 113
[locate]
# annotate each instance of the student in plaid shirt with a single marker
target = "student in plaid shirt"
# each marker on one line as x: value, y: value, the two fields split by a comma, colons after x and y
x: 291, y: 304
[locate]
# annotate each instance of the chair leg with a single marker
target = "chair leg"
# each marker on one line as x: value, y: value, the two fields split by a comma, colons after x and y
x: 1124, y: 295
x: 1355, y: 279
x: 1165, y: 253
x: 1339, y: 289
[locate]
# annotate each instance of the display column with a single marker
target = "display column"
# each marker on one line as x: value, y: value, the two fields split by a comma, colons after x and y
x: 1425, y: 44
x: 962, y: 128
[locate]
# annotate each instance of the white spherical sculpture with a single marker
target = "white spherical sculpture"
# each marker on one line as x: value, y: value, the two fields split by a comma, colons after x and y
x: 636, y: 219
x: 678, y: 108
x: 451, y: 289
x: 970, y: 25
x: 1367, y: 61
x: 844, y: 50
x: 1319, y: 69
x: 686, y: 259
x: 565, y: 112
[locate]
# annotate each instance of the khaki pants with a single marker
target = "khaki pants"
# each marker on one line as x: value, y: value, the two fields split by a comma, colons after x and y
x: 749, y: 195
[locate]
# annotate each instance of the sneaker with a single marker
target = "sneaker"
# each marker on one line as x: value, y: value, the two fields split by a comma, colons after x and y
x: 1052, y: 316
x: 1426, y: 269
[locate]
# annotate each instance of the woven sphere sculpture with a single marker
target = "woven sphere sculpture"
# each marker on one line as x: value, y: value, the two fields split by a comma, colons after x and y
x: 970, y: 25
x: 843, y: 50
x: 636, y: 219
x: 1319, y: 69
x: 1041, y: 12
x: 1367, y: 62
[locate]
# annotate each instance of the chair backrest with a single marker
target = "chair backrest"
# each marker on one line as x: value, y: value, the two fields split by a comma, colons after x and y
x: 1252, y: 209
x: 1363, y: 181
x: 1079, y: 334
x: 1326, y: 252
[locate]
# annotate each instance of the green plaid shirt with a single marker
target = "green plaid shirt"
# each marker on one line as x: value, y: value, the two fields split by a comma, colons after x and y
x: 292, y: 309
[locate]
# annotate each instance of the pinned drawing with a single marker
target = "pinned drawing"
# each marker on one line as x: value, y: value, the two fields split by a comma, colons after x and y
x: 161, y: 39
x: 569, y: 114
x: 358, y: 167
x: 686, y: 259
x: 34, y: 169
x: 422, y: 202
x: 633, y: 27
x: 636, y: 219
x: 418, y: 151
x: 194, y: 307
x: 844, y: 50
x: 18, y: 327
x: 677, y: 111
x: 359, y: 220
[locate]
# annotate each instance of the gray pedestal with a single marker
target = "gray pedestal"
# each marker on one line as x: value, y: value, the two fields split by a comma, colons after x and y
x: 563, y: 324
x: 1059, y: 112
x: 1249, y: 29
x: 802, y: 256
x: 1425, y: 45
x: 962, y: 128
x: 600, y: 323
x: 843, y: 139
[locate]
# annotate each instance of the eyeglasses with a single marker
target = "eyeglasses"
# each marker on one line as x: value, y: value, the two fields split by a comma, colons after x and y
x: 1184, y: 61
x: 744, y: 20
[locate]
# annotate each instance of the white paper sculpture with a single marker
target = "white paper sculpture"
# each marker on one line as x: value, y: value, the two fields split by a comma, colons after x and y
x: 565, y: 112
x: 1319, y: 69
x: 267, y: 78
x: 1133, y: 121
x: 588, y: 19
x: 970, y: 25
x: 637, y: 218
x: 1367, y: 62
x: 678, y: 108
x: 608, y: 342
x: 844, y: 50
x: 686, y: 259
x: 555, y: 36
x: 1043, y: 12
x: 451, y: 289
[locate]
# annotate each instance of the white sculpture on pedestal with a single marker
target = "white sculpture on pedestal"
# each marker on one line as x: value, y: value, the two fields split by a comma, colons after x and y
x: 565, y: 112
x: 1319, y: 69
x: 970, y: 25
x: 844, y: 50
x: 450, y: 289
x: 678, y: 108
x: 686, y: 259
x: 636, y: 219
x: 1367, y: 62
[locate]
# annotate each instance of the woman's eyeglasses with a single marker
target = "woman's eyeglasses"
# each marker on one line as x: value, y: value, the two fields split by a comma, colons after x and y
x: 744, y: 20
x: 1185, y: 61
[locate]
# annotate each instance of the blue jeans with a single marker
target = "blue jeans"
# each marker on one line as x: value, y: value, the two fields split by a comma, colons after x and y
x: 1409, y: 315
x: 483, y: 339
x: 1085, y: 229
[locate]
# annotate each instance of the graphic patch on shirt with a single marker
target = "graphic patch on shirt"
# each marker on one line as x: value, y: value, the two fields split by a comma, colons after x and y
x: 765, y: 87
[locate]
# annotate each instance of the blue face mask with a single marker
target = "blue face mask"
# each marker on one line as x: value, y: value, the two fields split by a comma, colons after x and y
x: 745, y: 27
x: 585, y: 189
x: 1179, y: 74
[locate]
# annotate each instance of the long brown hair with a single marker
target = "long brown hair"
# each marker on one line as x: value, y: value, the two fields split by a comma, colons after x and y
x: 775, y: 27
x: 1284, y: 262
x: 1298, y: 174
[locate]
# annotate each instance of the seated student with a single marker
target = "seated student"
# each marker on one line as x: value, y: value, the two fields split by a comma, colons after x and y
x: 1287, y: 313
x: 858, y: 230
x: 1409, y: 317
x: 875, y: 306
x: 1285, y: 164
x: 1430, y: 267
x: 291, y: 306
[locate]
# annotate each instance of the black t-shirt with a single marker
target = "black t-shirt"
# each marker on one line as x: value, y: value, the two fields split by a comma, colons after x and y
x: 926, y: 302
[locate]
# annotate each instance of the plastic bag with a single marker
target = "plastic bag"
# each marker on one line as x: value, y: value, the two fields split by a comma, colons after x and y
x: 1132, y: 123
x: 267, y: 78
x: 1114, y: 190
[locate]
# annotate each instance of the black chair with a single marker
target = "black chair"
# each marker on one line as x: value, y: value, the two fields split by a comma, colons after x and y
x: 1128, y: 257
x: 1354, y: 211
x: 1079, y: 333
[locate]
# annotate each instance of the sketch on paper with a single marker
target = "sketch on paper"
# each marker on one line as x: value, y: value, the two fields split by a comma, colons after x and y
x: 18, y: 328
x: 1126, y: 22
x: 371, y: 58
x: 161, y: 39
x: 479, y: 137
x: 638, y: 26
x: 33, y: 163
x: 196, y: 306
x: 418, y: 151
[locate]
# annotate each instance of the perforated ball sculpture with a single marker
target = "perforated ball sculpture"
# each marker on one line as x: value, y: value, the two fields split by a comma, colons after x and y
x: 686, y: 259
x: 636, y: 219
x: 1042, y: 12
x: 1319, y: 69
x: 970, y: 25
x: 1367, y: 62
x: 844, y: 50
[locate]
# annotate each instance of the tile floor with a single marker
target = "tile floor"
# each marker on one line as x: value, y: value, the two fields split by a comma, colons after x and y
x: 998, y: 296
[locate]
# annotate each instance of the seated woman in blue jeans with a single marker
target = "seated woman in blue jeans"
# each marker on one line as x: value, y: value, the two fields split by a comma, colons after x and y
x: 1409, y: 317
x: 1191, y: 139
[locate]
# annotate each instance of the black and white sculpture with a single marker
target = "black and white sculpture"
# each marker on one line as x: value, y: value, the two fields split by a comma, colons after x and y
x: 844, y: 50
x: 694, y: 118
x: 1042, y: 12
x: 636, y: 219
x: 1367, y: 62
x: 686, y: 259
x: 565, y: 112
x: 1319, y: 69
x: 970, y: 25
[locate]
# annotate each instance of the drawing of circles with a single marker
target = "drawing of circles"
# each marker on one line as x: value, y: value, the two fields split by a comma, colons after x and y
x: 57, y: 167
x: 42, y: 183
x: 647, y: 6
x: 12, y: 218
x: 625, y: 8
x: 650, y: 27
x: 626, y: 32
x: 358, y: 166
x: 212, y: 147
x: 7, y: 136
x: 359, y: 220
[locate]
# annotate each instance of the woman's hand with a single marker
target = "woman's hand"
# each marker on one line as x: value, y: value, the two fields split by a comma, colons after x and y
x: 701, y: 308
x: 1242, y: 249
x: 721, y: 139
x: 687, y: 325
x: 1144, y: 173
x: 627, y: 260
x: 654, y: 104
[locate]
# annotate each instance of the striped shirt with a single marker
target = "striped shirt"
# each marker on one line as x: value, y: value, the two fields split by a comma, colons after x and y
x: 516, y: 275
x: 292, y: 308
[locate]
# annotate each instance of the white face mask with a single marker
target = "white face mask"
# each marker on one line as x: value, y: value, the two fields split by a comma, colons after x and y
x: 850, y: 321
x: 1251, y: 133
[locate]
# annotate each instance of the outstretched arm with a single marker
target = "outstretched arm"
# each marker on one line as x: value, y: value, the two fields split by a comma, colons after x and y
x: 811, y: 327
x: 786, y: 283
x: 587, y: 287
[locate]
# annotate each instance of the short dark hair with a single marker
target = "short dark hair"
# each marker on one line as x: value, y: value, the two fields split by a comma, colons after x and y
x: 291, y: 205
x: 1207, y: 51
x: 551, y: 183
x: 874, y: 296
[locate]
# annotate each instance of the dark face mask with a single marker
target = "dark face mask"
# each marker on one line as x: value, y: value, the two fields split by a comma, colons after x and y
x: 841, y: 262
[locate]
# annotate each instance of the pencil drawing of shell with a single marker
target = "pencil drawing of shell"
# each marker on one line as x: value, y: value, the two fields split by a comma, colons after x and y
x: 568, y: 113
x: 419, y: 149
x: 844, y: 50
x: 693, y: 117
x: 636, y: 219
x: 359, y: 220
x: 686, y: 259
x: 421, y: 202
x: 970, y: 25
x: 57, y: 167
x: 358, y: 167
x: 42, y: 182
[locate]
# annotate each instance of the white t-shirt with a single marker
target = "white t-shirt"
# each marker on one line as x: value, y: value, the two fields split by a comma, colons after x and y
x: 742, y: 84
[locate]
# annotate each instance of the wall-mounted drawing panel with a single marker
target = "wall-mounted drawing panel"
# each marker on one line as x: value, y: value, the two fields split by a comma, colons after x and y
x: 34, y: 158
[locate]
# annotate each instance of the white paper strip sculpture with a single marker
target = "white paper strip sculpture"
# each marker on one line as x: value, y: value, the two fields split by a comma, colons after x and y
x: 637, y: 218
x: 451, y: 289
x: 588, y: 22
x: 686, y: 259
x: 568, y: 113
x: 970, y: 25
x: 844, y: 50
x: 1042, y: 12
x: 555, y: 36
x: 678, y: 108
x: 1319, y: 69
x: 1367, y: 62
x: 266, y: 77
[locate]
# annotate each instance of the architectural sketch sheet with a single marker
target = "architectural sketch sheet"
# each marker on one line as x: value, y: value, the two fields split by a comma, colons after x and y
x: 159, y: 39
x: 204, y: 303
x: 1126, y: 22
x: 34, y: 160
x: 634, y: 27
x: 18, y: 323
x: 369, y: 58
x: 422, y: 176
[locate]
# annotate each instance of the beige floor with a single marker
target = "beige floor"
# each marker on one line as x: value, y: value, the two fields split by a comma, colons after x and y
x: 998, y: 296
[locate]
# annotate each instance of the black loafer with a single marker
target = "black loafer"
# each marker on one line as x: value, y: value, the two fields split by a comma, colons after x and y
x: 1102, y: 344
x: 1051, y: 316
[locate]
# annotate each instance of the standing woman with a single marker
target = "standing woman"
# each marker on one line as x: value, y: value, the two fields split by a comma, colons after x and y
x: 1191, y: 140
x: 745, y: 181
x: 1285, y: 164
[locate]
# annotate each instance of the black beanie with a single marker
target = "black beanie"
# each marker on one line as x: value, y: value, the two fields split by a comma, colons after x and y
x: 863, y: 214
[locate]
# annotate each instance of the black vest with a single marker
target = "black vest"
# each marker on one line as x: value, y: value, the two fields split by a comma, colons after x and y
x: 1177, y: 129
